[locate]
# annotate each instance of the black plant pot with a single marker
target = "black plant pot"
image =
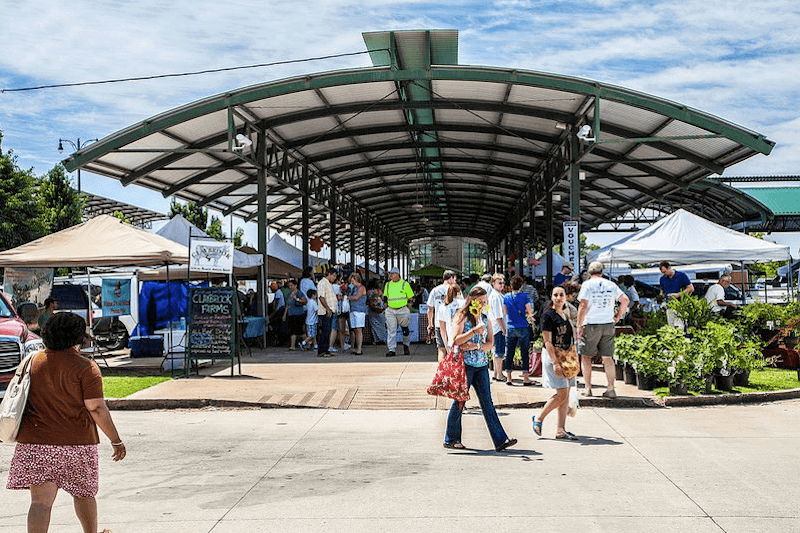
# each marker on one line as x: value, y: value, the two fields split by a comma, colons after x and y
x: 679, y: 389
x: 709, y: 383
x: 741, y: 378
x: 645, y: 382
x: 724, y: 382
x: 630, y: 375
x: 620, y: 371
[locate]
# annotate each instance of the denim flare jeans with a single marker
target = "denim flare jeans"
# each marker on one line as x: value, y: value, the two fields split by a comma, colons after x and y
x: 478, y: 378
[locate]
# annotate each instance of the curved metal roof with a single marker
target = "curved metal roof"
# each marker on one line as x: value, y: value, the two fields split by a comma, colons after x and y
x: 478, y: 147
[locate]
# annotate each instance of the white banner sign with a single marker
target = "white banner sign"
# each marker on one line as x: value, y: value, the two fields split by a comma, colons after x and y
x: 28, y: 284
x: 571, y: 244
x: 211, y: 256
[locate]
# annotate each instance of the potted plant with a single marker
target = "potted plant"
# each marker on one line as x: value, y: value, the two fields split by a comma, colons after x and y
x: 789, y: 334
x: 627, y: 350
x: 763, y: 319
x: 695, y: 312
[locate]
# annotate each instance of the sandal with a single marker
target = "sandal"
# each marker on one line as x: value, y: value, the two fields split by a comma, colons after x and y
x: 537, y: 426
x: 507, y: 444
x: 566, y: 436
x: 454, y: 446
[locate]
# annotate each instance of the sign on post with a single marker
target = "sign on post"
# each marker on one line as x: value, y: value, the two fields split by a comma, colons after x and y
x: 212, y: 327
x: 208, y: 255
x: 571, y: 244
x: 116, y: 297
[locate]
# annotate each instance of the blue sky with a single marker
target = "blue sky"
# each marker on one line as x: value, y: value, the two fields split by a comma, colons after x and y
x: 737, y: 59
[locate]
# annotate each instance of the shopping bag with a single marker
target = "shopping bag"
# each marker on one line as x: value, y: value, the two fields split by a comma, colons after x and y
x: 14, y: 402
x: 535, y: 366
x: 450, y: 379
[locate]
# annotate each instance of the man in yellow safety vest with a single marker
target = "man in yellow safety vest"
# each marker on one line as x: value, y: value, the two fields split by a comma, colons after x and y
x: 397, y: 293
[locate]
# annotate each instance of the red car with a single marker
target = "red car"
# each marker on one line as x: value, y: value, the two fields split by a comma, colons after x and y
x: 16, y: 341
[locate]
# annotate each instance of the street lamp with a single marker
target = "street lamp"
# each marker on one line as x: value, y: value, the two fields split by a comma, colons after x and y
x: 77, y: 146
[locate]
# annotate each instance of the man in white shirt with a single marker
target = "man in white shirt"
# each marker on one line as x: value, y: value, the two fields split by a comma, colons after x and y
x: 715, y: 296
x: 596, y: 319
x: 499, y: 322
x: 435, y: 299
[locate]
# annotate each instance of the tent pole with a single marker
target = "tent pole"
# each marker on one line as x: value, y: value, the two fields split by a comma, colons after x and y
x: 169, y: 339
x: 744, y: 294
x: 89, y: 310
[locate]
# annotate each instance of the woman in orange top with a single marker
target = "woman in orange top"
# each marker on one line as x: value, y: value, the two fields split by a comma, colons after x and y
x: 57, y: 442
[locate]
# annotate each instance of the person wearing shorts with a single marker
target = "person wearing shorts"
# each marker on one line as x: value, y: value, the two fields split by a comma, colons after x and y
x: 596, y: 319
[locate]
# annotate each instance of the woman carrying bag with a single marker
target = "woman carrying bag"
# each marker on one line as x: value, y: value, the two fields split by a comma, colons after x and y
x: 57, y: 441
x: 559, y: 362
x: 472, y: 334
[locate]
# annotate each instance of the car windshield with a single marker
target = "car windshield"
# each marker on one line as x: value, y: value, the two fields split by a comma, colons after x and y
x: 5, y: 309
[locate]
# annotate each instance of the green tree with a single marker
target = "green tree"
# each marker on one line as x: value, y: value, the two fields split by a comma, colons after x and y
x: 120, y: 215
x: 20, y: 214
x: 237, y: 238
x: 61, y: 206
x: 215, y: 229
x: 191, y: 212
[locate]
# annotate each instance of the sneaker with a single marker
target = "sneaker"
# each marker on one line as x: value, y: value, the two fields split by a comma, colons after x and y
x: 303, y: 345
x: 610, y: 394
x: 406, y: 351
x: 390, y: 354
x: 333, y: 350
x: 346, y: 346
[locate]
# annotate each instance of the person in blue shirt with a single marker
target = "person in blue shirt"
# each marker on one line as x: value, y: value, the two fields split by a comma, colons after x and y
x: 564, y: 275
x: 673, y: 284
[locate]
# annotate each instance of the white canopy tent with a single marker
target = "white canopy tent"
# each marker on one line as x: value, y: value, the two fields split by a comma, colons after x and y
x: 683, y: 237
x: 277, y: 247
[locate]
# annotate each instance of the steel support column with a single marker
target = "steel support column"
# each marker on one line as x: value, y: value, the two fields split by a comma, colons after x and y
x: 575, y: 186
x: 333, y: 231
x: 366, y: 252
x: 548, y: 216
x: 520, y: 249
x: 353, y: 262
x: 305, y: 206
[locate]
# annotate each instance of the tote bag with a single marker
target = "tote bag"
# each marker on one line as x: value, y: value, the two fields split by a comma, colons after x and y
x: 14, y: 402
x: 450, y: 379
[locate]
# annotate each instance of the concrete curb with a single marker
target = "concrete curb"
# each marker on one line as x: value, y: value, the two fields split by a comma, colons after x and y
x: 123, y: 404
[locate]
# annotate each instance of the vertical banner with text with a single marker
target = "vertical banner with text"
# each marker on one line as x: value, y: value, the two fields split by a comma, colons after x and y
x: 28, y: 284
x: 571, y: 244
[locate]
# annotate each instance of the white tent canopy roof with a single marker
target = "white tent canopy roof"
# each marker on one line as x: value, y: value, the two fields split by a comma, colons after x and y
x: 100, y: 241
x: 683, y: 237
x: 277, y: 247
x: 178, y: 229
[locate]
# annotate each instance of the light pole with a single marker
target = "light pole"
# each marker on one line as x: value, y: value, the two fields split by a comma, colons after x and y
x: 77, y: 147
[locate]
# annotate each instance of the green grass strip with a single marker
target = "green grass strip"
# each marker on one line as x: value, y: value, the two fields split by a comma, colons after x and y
x: 122, y: 386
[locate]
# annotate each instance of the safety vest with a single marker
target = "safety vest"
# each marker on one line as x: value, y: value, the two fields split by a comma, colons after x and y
x: 397, y: 293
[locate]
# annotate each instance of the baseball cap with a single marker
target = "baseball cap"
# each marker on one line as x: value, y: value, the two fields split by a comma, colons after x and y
x: 568, y: 265
x: 394, y: 270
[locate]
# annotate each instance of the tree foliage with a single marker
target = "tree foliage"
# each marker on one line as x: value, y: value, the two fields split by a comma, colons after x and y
x: 215, y: 229
x: 61, y: 206
x: 120, y: 215
x: 20, y: 214
x: 190, y: 211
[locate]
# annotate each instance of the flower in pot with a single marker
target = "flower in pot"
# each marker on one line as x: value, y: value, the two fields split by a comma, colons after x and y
x: 789, y: 335
x: 764, y: 319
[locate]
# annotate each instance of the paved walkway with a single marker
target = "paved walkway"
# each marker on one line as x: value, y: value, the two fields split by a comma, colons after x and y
x: 727, y: 469
x: 276, y: 377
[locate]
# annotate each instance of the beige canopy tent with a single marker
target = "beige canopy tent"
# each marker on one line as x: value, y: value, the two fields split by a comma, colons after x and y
x: 100, y: 241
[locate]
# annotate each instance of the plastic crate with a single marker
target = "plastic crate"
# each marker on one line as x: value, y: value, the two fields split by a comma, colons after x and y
x: 149, y: 346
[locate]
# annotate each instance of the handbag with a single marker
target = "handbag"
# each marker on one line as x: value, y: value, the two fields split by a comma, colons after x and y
x: 568, y: 359
x: 14, y: 402
x: 535, y: 366
x: 450, y: 379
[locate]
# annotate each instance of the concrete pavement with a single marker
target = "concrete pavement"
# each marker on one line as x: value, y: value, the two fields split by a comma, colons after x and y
x: 716, y: 469
x: 280, y: 378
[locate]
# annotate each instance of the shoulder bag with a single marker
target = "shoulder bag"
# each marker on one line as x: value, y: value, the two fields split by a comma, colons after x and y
x: 568, y: 359
x: 14, y: 402
x: 450, y: 380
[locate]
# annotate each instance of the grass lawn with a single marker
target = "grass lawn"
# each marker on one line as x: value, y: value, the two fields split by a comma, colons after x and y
x: 122, y: 386
x: 767, y: 379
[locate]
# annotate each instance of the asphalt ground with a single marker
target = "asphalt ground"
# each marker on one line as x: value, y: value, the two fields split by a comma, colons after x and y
x: 710, y: 469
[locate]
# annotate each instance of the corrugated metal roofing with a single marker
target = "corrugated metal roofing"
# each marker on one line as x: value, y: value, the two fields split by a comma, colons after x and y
x: 478, y: 147
x: 780, y: 200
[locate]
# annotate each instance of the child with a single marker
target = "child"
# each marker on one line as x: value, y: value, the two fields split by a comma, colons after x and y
x: 309, y: 341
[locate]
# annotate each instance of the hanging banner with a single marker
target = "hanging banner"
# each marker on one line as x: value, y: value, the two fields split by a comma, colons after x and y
x: 116, y: 297
x: 571, y: 244
x: 28, y: 284
x: 211, y: 256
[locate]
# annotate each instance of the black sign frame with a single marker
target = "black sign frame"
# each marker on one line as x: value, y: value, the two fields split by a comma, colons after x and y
x: 211, y: 325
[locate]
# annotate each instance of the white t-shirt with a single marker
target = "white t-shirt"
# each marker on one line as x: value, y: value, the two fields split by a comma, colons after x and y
x: 601, y: 295
x: 435, y: 299
x: 496, y: 310
x: 714, y: 293
x: 633, y: 296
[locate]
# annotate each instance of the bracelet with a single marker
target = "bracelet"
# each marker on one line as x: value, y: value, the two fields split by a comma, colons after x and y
x: 117, y: 443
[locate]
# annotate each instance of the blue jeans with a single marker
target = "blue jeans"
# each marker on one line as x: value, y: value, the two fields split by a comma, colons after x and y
x: 324, y: 334
x: 499, y: 344
x: 517, y: 337
x: 477, y: 378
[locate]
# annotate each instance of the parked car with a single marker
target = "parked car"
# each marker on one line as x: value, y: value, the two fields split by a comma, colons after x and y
x: 16, y: 341
x: 73, y: 298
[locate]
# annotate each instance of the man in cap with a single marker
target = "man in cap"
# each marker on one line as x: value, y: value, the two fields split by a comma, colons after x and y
x: 397, y: 293
x: 564, y: 275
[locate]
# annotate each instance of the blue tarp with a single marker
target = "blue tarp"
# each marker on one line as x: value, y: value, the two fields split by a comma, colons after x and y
x: 160, y: 303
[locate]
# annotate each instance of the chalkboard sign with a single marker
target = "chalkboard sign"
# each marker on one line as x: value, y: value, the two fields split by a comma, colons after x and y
x: 212, y: 323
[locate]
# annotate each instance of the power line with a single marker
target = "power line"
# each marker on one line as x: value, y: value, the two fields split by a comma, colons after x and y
x: 209, y: 71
